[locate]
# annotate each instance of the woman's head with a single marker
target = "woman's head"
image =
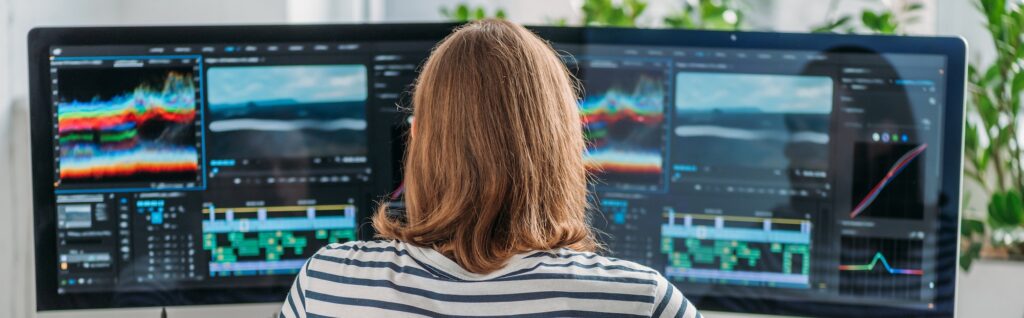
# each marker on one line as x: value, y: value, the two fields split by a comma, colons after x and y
x: 494, y: 164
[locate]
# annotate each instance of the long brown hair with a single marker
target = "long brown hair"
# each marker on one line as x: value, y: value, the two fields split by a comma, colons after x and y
x: 494, y: 165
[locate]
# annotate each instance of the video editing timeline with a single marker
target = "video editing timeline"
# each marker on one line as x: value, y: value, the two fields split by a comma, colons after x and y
x: 192, y: 167
x: 786, y: 172
x: 263, y: 240
x: 776, y: 254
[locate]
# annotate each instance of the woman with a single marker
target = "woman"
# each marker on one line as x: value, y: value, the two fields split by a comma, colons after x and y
x: 495, y: 222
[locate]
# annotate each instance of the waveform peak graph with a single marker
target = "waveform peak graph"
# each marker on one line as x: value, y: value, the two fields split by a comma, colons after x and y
x: 127, y: 127
x: 881, y: 267
x: 879, y: 260
x: 624, y: 122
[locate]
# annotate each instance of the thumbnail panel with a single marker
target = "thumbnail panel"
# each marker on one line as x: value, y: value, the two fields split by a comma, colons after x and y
x: 728, y: 125
x: 291, y: 111
x: 623, y: 115
x: 127, y: 127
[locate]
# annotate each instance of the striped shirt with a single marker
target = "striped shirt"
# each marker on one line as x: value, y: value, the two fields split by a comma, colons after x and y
x: 392, y: 278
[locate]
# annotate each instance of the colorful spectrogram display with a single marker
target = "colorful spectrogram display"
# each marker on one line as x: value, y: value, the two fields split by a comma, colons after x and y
x: 145, y: 133
x: 624, y: 125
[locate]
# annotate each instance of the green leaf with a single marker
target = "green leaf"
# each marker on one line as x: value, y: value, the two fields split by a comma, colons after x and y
x: 968, y: 256
x: 994, y: 11
x: 969, y: 227
x: 679, y: 20
x: 1015, y: 207
x: 986, y: 156
x: 831, y: 27
x: 970, y: 137
x: 1018, y: 83
x: 462, y: 12
x: 870, y: 19
x: 1006, y: 209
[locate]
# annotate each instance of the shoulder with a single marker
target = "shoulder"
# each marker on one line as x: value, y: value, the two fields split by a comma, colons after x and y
x: 594, y: 261
x: 596, y: 269
x: 365, y: 254
x: 361, y: 249
x: 666, y: 300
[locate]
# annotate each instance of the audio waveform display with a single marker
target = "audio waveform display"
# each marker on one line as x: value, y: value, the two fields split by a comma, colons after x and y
x: 624, y: 120
x: 139, y: 128
x: 881, y: 267
x: 879, y: 258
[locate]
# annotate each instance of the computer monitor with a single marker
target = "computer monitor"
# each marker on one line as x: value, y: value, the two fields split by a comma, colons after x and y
x: 204, y: 165
x: 761, y: 172
x: 786, y: 174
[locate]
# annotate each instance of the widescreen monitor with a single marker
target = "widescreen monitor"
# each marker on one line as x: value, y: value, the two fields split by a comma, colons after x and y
x: 760, y: 172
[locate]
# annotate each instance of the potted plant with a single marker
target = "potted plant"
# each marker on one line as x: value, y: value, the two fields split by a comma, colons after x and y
x: 993, y: 154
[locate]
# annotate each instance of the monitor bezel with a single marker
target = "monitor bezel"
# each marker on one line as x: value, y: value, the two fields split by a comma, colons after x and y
x: 41, y: 39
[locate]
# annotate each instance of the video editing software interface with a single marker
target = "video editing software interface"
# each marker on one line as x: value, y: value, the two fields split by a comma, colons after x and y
x: 749, y: 173
x: 796, y: 175
x: 191, y: 166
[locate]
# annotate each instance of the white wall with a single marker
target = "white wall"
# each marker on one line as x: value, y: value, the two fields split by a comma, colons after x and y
x: 16, y: 18
x: 6, y: 247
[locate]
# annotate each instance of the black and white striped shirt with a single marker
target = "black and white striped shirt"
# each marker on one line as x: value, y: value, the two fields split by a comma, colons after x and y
x: 392, y: 278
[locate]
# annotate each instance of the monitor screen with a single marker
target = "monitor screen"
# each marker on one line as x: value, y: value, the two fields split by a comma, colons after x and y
x: 759, y: 172
x: 776, y: 173
x: 190, y: 166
